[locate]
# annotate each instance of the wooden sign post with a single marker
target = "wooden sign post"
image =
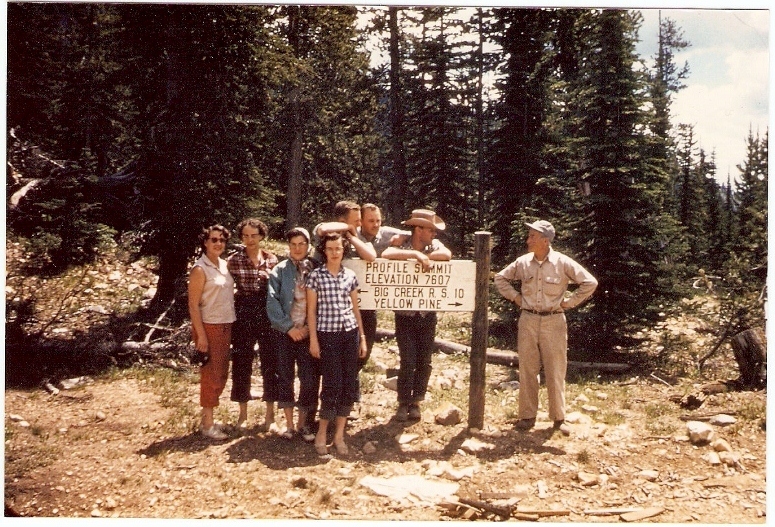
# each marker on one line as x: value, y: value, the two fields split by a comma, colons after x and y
x: 479, y: 331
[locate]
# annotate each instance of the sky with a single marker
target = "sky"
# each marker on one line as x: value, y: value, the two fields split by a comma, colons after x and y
x: 728, y: 88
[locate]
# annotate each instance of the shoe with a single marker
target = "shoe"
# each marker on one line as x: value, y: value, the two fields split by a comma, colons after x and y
x: 414, y: 412
x: 322, y: 450
x: 562, y: 426
x: 402, y: 414
x: 341, y: 448
x: 287, y: 434
x: 525, y: 424
x: 213, y: 433
x: 306, y: 434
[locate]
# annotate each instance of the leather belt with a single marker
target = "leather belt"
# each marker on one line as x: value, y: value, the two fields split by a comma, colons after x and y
x: 542, y: 313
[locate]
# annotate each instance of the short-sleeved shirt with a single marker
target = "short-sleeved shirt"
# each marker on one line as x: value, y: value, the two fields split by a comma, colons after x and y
x: 382, y: 240
x: 334, y: 305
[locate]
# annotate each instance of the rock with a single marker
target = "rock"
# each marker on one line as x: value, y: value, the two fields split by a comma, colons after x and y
x: 509, y: 385
x: 576, y: 418
x: 586, y: 479
x: 581, y: 398
x: 96, y: 513
x: 699, y: 433
x: 649, y: 475
x: 15, y: 418
x: 602, y: 396
x: 442, y: 383
x: 69, y: 384
x: 713, y: 458
x: 369, y: 448
x: 730, y: 459
x: 455, y: 474
x: 406, y: 438
x: 721, y: 445
x: 474, y: 445
x: 448, y: 414
x: 722, y: 420
x: 115, y: 276
x: 110, y: 504
x: 590, y: 409
x: 100, y: 416
x: 543, y: 489
x: 149, y: 293
x: 299, y: 482
x: 401, y: 487
x: 96, y: 308
x: 391, y: 383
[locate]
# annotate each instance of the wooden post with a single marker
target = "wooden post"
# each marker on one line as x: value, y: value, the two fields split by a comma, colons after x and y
x: 479, y: 331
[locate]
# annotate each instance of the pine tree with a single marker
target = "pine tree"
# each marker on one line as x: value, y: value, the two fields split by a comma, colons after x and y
x: 628, y: 237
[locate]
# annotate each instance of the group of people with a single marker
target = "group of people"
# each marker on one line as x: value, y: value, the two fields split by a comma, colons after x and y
x: 302, y: 314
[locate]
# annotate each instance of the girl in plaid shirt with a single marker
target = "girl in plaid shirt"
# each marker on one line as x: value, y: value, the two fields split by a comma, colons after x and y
x: 335, y: 337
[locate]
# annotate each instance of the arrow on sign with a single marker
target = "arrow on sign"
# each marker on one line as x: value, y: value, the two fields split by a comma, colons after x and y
x: 454, y: 304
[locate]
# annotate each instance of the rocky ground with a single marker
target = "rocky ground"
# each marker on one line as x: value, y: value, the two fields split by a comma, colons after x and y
x: 125, y: 445
x: 123, y: 441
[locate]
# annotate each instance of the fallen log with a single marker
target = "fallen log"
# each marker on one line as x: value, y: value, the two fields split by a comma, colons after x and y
x: 511, y: 358
x: 541, y: 513
x: 499, y: 510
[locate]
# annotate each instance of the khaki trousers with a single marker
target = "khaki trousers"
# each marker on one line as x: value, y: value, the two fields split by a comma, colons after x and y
x: 542, y: 340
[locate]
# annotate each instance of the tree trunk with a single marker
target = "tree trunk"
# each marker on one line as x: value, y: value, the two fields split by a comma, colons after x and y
x: 398, y: 192
x: 750, y: 349
x: 172, y: 268
x: 293, y: 195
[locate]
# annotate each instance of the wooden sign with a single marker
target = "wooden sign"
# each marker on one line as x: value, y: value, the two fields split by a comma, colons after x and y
x: 402, y: 285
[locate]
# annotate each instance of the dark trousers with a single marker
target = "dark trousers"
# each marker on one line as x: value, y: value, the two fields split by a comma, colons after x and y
x: 294, y: 358
x: 369, y: 319
x: 252, y: 326
x: 415, y: 335
x: 339, y: 368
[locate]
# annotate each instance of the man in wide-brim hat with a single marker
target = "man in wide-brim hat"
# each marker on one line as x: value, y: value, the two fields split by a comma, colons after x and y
x: 425, y: 218
x: 416, y: 330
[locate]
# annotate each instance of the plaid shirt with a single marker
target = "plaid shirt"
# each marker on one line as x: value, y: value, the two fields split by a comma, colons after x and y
x: 334, y: 305
x: 251, y: 279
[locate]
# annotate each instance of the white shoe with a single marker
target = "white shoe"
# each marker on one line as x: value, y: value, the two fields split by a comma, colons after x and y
x: 213, y: 433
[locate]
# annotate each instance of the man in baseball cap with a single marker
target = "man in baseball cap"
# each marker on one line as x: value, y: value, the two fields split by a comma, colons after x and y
x: 542, y: 331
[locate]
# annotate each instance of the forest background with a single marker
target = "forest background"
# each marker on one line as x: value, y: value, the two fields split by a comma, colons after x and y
x: 134, y: 126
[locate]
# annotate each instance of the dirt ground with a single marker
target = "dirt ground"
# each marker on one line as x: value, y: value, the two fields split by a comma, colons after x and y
x: 125, y: 445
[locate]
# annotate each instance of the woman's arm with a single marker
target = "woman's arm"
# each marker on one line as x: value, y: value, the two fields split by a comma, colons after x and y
x: 357, y: 312
x: 312, y: 312
x: 196, y: 283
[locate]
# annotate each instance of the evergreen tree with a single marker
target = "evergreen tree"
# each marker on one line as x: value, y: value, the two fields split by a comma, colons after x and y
x: 751, y: 192
x: 516, y: 154
x: 629, y: 245
x: 327, y: 140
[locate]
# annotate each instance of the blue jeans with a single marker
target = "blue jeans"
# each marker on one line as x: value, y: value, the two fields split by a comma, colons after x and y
x: 339, y: 367
x: 293, y: 357
x: 415, y: 335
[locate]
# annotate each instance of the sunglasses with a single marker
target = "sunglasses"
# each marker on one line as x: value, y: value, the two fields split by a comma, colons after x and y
x: 217, y: 240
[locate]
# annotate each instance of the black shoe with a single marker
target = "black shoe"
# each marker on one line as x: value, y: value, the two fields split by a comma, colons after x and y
x: 525, y: 424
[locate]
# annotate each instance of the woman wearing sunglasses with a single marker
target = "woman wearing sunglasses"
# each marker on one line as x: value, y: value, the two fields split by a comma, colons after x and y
x: 211, y: 307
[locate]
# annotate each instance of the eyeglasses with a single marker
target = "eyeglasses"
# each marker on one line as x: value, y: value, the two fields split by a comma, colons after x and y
x: 217, y: 240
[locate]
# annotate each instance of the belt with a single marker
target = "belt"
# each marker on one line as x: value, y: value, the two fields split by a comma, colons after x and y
x: 542, y: 313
